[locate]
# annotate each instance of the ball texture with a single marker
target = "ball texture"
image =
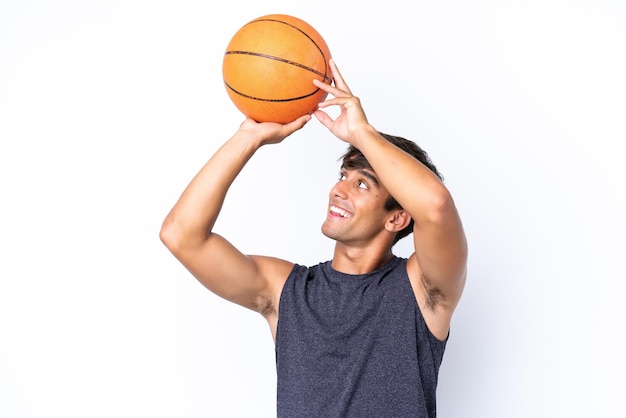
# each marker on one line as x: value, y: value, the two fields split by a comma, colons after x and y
x: 269, y: 66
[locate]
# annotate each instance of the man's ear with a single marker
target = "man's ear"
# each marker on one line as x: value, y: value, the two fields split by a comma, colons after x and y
x: 399, y: 220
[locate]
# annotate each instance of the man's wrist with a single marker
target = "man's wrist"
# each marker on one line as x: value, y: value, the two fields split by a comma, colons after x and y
x: 364, y: 134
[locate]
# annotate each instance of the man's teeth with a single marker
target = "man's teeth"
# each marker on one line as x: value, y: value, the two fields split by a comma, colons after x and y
x: 340, y: 211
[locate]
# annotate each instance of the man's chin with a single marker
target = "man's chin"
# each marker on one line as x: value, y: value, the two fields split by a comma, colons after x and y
x: 328, y: 232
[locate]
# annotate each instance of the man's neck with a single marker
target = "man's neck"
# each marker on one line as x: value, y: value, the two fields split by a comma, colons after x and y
x: 351, y: 260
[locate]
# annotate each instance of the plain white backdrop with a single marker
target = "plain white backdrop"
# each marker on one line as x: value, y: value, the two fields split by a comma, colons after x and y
x: 108, y: 108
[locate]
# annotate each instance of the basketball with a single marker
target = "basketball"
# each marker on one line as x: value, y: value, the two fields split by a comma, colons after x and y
x: 269, y: 66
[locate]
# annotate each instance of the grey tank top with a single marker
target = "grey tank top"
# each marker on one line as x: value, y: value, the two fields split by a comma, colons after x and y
x: 354, y: 346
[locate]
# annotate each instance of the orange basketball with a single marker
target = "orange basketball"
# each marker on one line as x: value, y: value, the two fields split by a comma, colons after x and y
x: 269, y: 66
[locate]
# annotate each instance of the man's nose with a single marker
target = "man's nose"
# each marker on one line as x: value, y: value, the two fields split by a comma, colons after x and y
x: 339, y: 189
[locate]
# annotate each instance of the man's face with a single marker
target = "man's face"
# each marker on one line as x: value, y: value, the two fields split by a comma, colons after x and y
x: 356, y: 210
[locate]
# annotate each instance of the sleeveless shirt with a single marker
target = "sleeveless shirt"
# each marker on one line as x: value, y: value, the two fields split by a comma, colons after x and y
x: 354, y: 346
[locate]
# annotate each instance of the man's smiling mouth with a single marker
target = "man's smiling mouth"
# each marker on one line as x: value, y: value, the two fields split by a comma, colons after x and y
x: 338, y: 211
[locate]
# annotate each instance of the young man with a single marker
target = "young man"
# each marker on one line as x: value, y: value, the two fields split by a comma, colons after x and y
x: 361, y: 335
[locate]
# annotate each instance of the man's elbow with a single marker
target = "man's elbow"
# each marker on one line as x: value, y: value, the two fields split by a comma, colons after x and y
x: 181, y: 238
x: 170, y: 235
x: 441, y: 207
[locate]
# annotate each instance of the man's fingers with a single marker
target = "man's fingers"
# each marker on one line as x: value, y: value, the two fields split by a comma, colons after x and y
x: 335, y: 91
x: 338, y: 78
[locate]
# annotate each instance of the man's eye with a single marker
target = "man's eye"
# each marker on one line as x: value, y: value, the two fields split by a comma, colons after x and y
x: 362, y: 185
x: 342, y: 176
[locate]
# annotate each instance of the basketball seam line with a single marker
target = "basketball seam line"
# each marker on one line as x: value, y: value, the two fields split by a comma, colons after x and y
x: 302, y: 32
x: 270, y: 100
x: 286, y: 61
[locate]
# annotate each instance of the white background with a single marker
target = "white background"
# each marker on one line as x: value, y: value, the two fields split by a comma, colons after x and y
x: 107, y: 109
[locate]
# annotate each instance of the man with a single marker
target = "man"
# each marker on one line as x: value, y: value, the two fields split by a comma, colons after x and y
x: 361, y: 335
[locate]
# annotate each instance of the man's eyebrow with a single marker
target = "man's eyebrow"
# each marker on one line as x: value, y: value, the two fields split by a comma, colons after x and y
x: 370, y: 176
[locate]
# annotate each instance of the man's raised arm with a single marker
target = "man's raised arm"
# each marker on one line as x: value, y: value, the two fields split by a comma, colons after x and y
x: 187, y: 231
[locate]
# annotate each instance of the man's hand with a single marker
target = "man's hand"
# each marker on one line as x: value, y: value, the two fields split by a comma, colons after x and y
x: 352, y: 117
x: 270, y: 132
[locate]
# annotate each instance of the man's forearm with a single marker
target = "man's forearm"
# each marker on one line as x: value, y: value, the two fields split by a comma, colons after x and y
x: 193, y: 216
